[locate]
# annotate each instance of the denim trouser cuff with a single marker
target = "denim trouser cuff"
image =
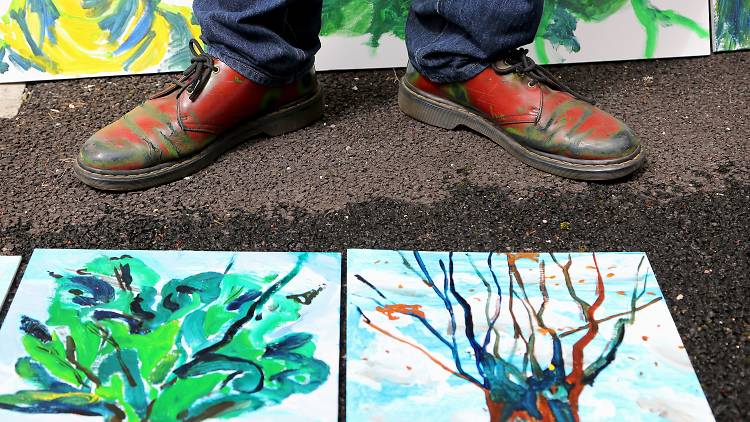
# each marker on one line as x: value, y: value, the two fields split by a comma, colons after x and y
x: 446, y: 76
x: 251, y: 71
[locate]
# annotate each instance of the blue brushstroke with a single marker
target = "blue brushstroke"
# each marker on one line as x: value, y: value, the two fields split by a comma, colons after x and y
x: 56, y: 406
x: 134, y: 324
x: 48, y: 14
x: 118, y: 21
x: 246, y: 297
x: 97, y: 7
x: 141, y: 30
x: 732, y: 24
x: 21, y: 20
x: 141, y: 49
x: 35, y: 373
x: 179, y: 35
x: 100, y: 290
x: 287, y: 344
x: 84, y: 301
x: 561, y: 30
x: 3, y: 66
x: 35, y: 329
x: 135, y: 391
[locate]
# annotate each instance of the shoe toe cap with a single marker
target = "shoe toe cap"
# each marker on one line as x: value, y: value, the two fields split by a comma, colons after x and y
x: 108, y: 153
x: 619, y: 146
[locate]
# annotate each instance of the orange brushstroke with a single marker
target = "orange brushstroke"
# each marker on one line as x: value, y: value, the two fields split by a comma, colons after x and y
x: 620, y: 292
x: 576, y: 375
x: 645, y: 338
x: 390, y: 310
x: 544, y: 409
x: 513, y: 257
x: 610, y: 275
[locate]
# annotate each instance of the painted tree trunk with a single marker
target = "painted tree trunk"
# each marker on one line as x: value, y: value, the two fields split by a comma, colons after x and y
x: 497, y: 411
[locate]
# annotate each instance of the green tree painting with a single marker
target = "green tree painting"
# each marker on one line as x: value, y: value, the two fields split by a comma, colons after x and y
x: 558, y: 25
x: 121, y: 344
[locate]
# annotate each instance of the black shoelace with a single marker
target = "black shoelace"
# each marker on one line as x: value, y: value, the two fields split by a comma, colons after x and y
x: 519, y: 62
x: 196, y: 76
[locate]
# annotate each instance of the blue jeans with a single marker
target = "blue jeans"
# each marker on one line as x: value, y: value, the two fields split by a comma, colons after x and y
x: 275, y: 41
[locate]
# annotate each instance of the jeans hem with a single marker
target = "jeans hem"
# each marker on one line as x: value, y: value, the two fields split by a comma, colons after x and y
x: 441, y: 77
x: 250, y: 70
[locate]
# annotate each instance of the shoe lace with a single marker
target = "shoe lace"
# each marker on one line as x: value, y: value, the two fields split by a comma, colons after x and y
x: 196, y: 76
x: 519, y: 62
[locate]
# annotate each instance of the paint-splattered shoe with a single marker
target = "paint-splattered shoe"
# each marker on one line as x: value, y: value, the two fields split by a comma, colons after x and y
x: 524, y: 109
x: 189, y: 124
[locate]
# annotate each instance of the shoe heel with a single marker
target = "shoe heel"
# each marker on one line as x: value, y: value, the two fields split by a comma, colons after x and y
x: 296, y: 117
x: 424, y: 110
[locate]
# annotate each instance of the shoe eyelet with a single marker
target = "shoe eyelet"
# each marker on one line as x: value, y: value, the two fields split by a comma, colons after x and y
x: 215, y: 69
x: 531, y: 84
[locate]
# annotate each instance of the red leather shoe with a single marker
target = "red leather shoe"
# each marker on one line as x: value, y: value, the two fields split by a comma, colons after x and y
x: 536, y: 118
x: 188, y: 125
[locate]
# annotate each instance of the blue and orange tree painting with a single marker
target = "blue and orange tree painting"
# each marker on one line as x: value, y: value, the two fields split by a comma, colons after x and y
x: 731, y: 24
x: 514, y: 389
x: 122, y: 345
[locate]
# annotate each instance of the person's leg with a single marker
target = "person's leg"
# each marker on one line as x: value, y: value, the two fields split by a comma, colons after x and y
x: 467, y: 70
x: 267, y: 41
x: 256, y: 78
x: 454, y: 40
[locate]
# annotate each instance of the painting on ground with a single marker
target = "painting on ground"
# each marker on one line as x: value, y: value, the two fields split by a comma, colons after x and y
x: 50, y: 39
x: 8, y: 268
x: 731, y: 24
x: 164, y: 335
x: 439, y: 336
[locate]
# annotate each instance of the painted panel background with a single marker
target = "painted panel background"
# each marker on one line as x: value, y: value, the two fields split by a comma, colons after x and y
x: 162, y: 335
x: 434, y: 336
x: 47, y: 39
x: 731, y: 24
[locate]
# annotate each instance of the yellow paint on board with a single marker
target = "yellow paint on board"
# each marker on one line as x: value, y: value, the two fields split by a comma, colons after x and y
x: 82, y: 46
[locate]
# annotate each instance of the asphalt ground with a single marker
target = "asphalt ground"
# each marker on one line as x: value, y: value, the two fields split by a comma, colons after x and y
x: 369, y: 177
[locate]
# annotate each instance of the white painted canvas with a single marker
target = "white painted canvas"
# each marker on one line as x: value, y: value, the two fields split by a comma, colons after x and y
x: 438, y: 336
x: 573, y: 32
x: 58, y: 39
x: 166, y: 335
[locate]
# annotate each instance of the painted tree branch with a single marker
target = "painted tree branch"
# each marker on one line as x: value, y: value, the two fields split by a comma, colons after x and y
x: 430, y: 328
x: 599, y: 321
x: 258, y: 303
x: 369, y: 322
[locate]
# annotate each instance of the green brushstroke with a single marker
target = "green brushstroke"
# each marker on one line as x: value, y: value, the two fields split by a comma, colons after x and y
x: 159, y: 351
x: 557, y: 27
x: 561, y: 16
x: 365, y: 17
x: 651, y: 19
